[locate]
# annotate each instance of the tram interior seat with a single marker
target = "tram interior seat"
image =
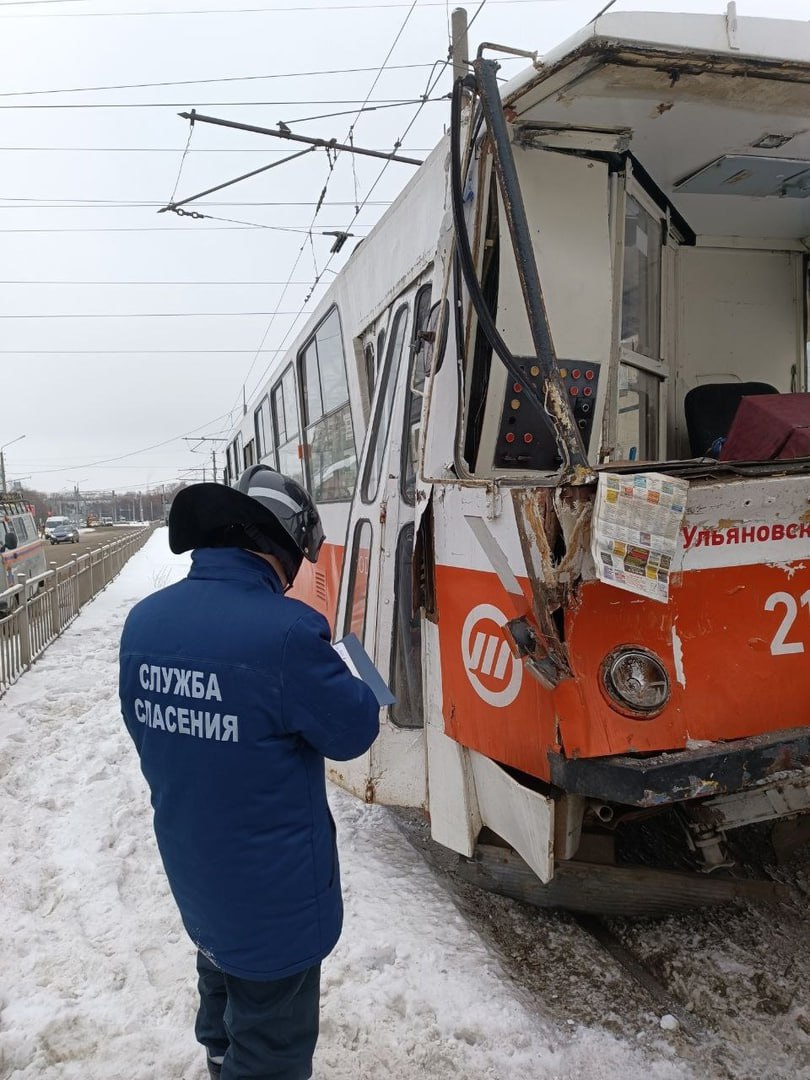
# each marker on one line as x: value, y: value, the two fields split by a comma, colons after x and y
x: 710, y: 410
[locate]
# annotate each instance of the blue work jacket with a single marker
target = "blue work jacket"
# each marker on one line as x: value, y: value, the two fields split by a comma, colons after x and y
x: 234, y: 696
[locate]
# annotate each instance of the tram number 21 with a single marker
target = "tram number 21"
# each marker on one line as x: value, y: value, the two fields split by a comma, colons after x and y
x: 780, y: 646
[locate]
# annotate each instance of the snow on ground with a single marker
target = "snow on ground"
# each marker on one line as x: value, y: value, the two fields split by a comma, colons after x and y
x: 97, y: 974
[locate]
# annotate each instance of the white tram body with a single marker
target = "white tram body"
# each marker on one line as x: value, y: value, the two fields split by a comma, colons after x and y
x: 653, y: 174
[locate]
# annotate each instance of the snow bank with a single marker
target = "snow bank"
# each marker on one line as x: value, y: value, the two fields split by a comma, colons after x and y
x: 98, y: 974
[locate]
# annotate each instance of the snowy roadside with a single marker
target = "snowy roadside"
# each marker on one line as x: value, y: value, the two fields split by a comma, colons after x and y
x: 97, y: 973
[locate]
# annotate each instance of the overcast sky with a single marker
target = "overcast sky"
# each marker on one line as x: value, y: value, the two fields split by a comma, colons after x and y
x: 82, y: 175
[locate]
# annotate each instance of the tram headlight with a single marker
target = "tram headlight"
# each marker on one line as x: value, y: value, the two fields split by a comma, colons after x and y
x: 636, y: 680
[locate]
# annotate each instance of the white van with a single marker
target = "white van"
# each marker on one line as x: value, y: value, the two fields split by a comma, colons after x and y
x: 51, y: 524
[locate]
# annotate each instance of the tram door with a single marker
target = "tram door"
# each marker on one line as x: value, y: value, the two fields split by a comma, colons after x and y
x: 377, y: 589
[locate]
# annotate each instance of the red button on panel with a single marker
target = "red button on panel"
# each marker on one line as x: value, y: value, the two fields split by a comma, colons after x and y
x: 528, y: 437
x: 573, y: 391
x: 589, y: 374
x: 517, y: 388
x: 576, y: 373
x: 587, y: 391
x: 510, y: 436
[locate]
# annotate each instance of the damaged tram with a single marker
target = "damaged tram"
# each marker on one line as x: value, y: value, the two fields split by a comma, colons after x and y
x: 554, y: 411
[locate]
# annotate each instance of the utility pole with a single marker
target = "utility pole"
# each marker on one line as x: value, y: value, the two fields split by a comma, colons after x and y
x: 3, y: 462
x: 211, y: 439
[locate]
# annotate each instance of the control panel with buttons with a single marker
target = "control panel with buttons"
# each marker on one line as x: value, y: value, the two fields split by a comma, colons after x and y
x: 581, y: 379
x: 526, y: 439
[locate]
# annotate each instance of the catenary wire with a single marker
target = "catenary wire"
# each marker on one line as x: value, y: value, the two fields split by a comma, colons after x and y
x: 351, y: 224
x: 143, y: 450
x: 127, y: 352
x: 147, y: 314
x: 303, y: 8
x: 384, y: 103
x: 376, y: 79
x: 179, y: 230
x: 114, y: 204
x: 428, y: 92
x: 82, y: 281
x: 174, y: 149
x: 200, y: 82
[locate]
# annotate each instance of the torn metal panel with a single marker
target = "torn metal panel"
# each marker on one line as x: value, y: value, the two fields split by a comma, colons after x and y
x: 423, y: 577
x: 554, y: 527
x: 718, y: 769
x: 769, y: 802
x: 498, y: 559
x: 539, y: 135
x: 574, y: 509
x: 554, y: 531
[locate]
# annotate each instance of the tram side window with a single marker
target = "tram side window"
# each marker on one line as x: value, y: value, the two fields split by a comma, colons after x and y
x: 413, y: 408
x: 637, y: 429
x: 285, y: 426
x: 357, y: 600
x: 238, y: 456
x: 19, y: 528
x: 331, y: 454
x: 406, y: 659
x: 639, y: 379
x: 371, y: 374
x: 641, y: 290
x: 263, y: 426
x: 385, y: 405
x: 249, y: 454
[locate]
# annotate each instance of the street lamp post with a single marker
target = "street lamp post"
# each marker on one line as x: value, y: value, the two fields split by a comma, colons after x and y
x: 77, y: 498
x: 3, y: 462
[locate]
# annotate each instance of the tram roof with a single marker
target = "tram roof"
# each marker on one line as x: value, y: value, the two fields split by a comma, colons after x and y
x: 624, y: 36
x: 694, y: 96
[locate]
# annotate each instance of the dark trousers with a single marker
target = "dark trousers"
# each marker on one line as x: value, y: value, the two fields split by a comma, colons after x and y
x: 260, y: 1030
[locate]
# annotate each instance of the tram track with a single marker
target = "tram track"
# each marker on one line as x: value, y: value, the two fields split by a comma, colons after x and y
x: 735, y: 978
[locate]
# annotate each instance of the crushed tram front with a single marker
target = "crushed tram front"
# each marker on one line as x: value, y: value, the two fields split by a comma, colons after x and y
x: 619, y: 588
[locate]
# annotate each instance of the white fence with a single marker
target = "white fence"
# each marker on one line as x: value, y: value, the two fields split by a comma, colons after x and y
x: 38, y: 609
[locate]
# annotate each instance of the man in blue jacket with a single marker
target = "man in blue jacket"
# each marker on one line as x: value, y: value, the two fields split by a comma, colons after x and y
x: 234, y: 696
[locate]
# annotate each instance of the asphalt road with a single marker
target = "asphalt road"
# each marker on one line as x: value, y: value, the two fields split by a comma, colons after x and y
x: 89, y: 540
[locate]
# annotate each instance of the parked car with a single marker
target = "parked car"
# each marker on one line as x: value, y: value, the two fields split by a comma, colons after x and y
x: 107, y: 521
x: 64, y: 534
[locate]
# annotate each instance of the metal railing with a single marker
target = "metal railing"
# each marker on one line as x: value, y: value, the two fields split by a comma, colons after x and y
x: 36, y: 610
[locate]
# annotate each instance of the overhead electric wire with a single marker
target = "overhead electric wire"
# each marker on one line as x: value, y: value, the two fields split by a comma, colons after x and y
x: 175, y: 149
x: 66, y: 281
x: 183, y: 159
x: 113, y: 204
x: 384, y: 103
x: 346, y: 112
x: 178, y: 229
x: 376, y: 79
x: 143, y: 450
x: 429, y: 90
x: 147, y: 314
x: 126, y: 352
x: 349, y: 136
x: 202, y: 82
x: 239, y: 11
